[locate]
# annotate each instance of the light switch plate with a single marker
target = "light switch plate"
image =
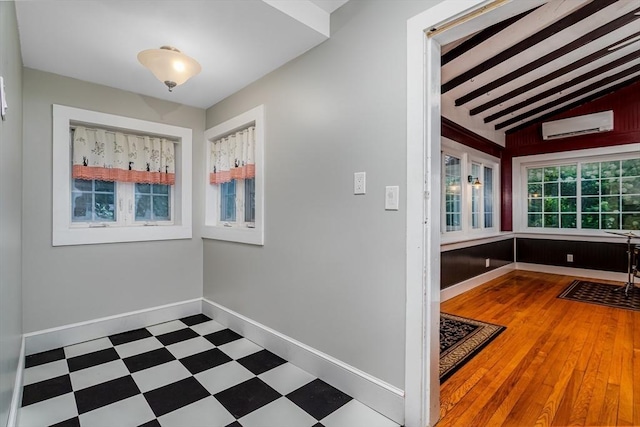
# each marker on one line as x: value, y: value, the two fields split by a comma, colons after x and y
x: 391, y: 198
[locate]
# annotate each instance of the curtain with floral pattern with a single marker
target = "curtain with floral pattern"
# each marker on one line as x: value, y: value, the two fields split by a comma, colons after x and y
x: 233, y: 157
x: 114, y: 156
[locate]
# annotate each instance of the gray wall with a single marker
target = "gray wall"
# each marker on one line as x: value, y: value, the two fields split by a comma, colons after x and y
x: 10, y: 207
x: 63, y: 285
x: 332, y: 271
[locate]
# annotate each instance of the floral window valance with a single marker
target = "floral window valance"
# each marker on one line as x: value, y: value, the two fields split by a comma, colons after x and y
x: 233, y: 157
x: 114, y: 156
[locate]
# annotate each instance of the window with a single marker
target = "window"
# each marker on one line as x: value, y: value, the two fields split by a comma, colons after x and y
x: 578, y: 192
x: 114, y: 176
x: 234, y: 195
x: 469, y: 192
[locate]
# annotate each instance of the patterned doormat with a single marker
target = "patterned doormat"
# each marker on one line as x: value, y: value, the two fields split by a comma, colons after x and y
x: 462, y: 338
x: 603, y: 294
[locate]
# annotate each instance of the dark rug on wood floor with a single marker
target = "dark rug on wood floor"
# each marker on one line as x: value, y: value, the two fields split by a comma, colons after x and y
x: 603, y: 294
x: 462, y: 338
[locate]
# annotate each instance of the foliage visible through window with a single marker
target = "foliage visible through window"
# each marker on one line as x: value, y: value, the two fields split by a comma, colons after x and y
x: 585, y: 195
x: 93, y: 200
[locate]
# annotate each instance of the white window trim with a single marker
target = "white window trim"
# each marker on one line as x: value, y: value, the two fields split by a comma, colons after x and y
x: 519, y: 182
x: 241, y: 234
x: 66, y: 233
x: 467, y: 156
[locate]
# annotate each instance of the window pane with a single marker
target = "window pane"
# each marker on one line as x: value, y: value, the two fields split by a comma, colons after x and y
x: 551, y: 173
x: 250, y: 200
x: 591, y: 221
x: 535, y: 190
x: 569, y: 172
x: 551, y: 220
x: 82, y: 185
x: 590, y: 188
x: 630, y: 204
x: 610, y: 169
x: 535, y: 205
x: 631, y: 221
x: 610, y: 186
x: 453, y: 193
x: 590, y: 170
x: 143, y: 188
x: 82, y: 207
x: 143, y: 207
x: 610, y: 204
x: 590, y: 204
x: 631, y: 185
x: 534, y: 220
x: 611, y: 221
x: 475, y: 197
x: 488, y: 197
x: 568, y: 220
x: 551, y: 204
x: 568, y: 204
x: 551, y: 189
x: 160, y: 189
x: 105, y: 186
x: 534, y: 175
x: 631, y: 167
x: 228, y: 201
x: 105, y: 207
x: 161, y: 208
x: 568, y: 188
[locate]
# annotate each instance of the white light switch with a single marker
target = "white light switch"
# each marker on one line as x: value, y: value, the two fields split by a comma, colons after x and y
x: 391, y: 198
x: 359, y: 183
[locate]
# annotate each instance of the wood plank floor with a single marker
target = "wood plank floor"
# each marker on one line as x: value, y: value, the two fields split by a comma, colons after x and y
x: 558, y: 363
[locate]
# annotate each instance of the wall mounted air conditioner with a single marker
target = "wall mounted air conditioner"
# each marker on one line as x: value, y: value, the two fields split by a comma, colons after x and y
x: 579, y: 125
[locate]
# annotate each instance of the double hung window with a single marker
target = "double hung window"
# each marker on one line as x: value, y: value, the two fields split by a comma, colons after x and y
x: 469, y: 193
x: 234, y: 196
x: 114, y: 176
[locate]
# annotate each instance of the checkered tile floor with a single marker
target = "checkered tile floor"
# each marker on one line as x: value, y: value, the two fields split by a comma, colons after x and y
x: 188, y: 373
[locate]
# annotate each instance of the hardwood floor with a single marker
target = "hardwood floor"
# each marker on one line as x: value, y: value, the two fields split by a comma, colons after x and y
x: 558, y: 363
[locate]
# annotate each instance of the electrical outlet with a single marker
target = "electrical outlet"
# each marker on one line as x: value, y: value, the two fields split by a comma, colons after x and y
x: 359, y: 183
x: 569, y: 257
x: 487, y: 262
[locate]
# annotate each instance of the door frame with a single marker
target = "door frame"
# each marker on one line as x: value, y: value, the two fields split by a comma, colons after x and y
x: 422, y: 384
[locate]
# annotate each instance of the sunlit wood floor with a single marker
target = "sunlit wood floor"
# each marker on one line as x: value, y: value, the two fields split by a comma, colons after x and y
x: 558, y: 363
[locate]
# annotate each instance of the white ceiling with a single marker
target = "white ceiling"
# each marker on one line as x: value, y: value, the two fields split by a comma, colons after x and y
x: 235, y: 41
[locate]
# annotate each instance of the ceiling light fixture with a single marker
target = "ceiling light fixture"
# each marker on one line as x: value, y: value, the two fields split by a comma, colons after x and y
x: 169, y: 65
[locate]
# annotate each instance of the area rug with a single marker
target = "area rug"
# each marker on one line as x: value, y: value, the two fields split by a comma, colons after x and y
x: 602, y: 294
x: 462, y: 338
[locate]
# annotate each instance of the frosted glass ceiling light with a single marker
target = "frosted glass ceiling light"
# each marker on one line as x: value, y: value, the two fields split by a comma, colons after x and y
x: 169, y: 65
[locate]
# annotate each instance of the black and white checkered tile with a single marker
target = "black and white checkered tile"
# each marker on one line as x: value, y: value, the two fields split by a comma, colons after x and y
x: 188, y: 373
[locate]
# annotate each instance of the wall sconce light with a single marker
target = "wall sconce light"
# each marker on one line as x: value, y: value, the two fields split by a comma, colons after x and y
x: 475, y: 181
x: 169, y: 65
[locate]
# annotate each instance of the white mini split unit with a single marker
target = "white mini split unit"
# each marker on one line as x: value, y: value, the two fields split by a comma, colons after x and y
x: 579, y: 125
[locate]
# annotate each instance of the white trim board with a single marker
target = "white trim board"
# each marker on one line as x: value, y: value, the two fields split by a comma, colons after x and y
x: 49, y: 339
x: 373, y: 392
x: 16, y: 397
x: 571, y: 271
x: 474, y: 282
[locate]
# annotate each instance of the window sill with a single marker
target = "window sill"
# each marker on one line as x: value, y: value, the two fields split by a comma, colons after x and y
x: 584, y: 235
x: 248, y: 235
x: 99, y: 235
x: 461, y: 242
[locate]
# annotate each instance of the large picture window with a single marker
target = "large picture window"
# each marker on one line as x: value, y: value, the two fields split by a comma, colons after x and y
x: 590, y: 195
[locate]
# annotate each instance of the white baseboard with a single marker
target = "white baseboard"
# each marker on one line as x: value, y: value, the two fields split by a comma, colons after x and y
x: 49, y: 339
x: 16, y: 397
x: 474, y: 282
x: 570, y: 271
x: 373, y: 392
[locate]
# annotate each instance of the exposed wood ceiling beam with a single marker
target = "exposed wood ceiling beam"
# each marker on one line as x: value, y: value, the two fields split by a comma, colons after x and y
x: 480, y: 37
x: 581, y: 41
x: 566, y: 85
x: 575, y: 104
x: 568, y: 97
x: 536, y: 38
x: 547, y: 78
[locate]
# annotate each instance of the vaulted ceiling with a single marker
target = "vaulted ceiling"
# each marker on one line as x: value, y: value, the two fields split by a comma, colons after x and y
x: 540, y: 62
